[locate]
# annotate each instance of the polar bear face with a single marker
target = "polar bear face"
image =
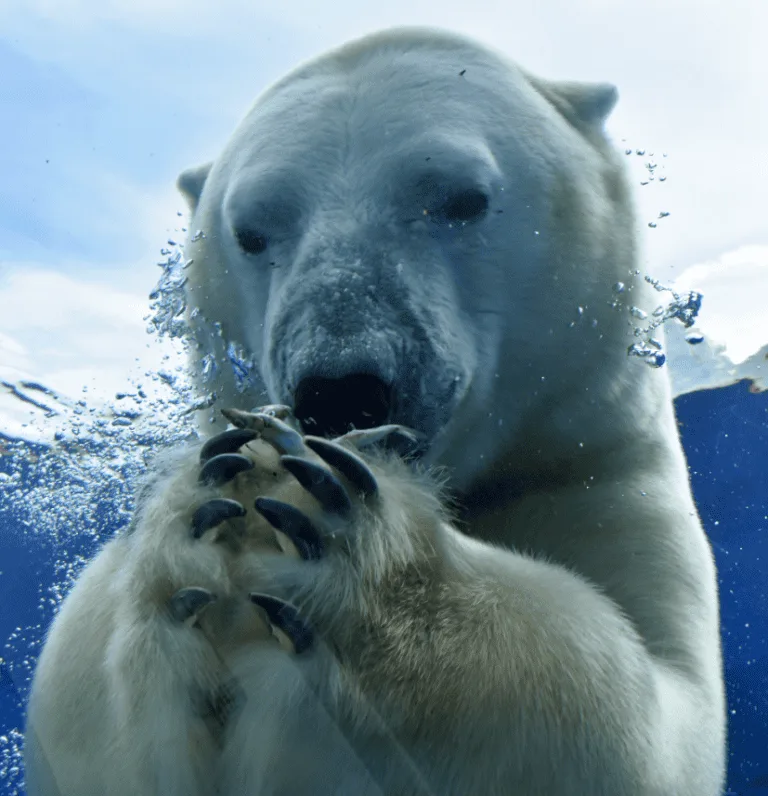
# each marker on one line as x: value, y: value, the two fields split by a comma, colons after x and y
x: 411, y: 229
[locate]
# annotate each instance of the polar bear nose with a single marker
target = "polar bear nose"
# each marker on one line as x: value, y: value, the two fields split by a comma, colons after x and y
x: 330, y: 407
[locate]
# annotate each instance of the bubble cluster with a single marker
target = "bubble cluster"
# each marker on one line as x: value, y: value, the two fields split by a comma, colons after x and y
x: 70, y: 486
x: 651, y: 172
x: 168, y: 303
x: 683, y: 307
x: 11, y: 770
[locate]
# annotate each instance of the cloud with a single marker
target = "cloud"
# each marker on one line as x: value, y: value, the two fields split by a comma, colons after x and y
x: 78, y: 338
x: 174, y: 76
x: 735, y: 286
x: 732, y: 320
x: 86, y: 15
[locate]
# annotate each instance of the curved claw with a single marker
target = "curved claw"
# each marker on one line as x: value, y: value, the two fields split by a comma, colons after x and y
x: 280, y: 411
x: 187, y: 604
x: 283, y: 438
x: 214, y: 512
x: 243, y: 419
x: 399, y: 439
x: 352, y: 467
x: 294, y: 524
x: 322, y: 484
x: 223, y: 468
x: 284, y: 618
x: 280, y: 436
x: 227, y: 442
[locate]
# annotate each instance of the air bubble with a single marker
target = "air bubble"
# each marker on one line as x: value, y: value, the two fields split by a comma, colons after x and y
x: 649, y: 354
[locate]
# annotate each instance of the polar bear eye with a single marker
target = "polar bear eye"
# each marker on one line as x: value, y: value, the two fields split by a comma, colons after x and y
x: 250, y: 242
x: 465, y: 206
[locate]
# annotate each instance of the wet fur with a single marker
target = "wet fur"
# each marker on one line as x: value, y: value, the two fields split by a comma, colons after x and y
x: 562, y: 639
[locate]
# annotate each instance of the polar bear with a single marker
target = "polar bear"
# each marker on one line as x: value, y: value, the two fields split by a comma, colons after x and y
x: 513, y: 597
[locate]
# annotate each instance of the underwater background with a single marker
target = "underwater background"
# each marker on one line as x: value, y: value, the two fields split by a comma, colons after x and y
x: 104, y: 102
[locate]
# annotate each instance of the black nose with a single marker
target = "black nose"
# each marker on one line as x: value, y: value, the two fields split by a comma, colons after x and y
x: 331, y: 407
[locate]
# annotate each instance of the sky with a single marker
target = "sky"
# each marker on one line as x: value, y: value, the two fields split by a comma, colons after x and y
x: 104, y: 102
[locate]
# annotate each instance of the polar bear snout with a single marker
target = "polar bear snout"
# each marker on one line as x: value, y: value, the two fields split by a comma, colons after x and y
x: 331, y: 407
x: 355, y: 362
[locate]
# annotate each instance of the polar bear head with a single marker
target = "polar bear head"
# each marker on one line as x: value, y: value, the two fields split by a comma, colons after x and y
x: 413, y: 229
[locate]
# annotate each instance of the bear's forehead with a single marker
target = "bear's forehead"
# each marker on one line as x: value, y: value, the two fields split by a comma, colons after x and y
x: 379, y: 90
x: 401, y: 60
x: 395, y: 102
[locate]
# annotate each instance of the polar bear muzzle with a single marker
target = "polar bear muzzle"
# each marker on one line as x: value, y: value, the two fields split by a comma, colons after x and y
x: 330, y: 407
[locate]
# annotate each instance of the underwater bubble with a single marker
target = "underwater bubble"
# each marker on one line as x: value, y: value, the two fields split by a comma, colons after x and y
x: 683, y: 307
x: 694, y: 338
x: 243, y: 366
x: 75, y: 490
x: 650, y: 354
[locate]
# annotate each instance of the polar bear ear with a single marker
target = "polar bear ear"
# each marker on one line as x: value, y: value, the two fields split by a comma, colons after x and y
x: 190, y: 183
x: 582, y: 104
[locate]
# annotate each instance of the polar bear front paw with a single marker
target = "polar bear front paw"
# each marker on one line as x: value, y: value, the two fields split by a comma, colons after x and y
x: 320, y: 497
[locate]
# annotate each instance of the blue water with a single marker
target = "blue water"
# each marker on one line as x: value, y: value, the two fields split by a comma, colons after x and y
x: 725, y: 434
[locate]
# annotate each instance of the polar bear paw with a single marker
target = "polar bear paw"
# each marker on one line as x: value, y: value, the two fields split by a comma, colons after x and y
x: 316, y: 497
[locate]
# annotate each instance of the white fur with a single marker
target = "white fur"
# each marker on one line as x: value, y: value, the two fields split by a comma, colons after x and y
x: 564, y: 642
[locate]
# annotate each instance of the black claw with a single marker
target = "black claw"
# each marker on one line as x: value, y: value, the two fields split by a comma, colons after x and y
x: 280, y: 411
x: 401, y: 440
x: 243, y: 419
x: 352, y: 467
x: 215, y: 511
x: 405, y: 442
x: 186, y: 604
x: 285, y: 617
x: 227, y: 442
x: 294, y: 524
x: 223, y: 468
x: 283, y: 438
x: 322, y: 484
